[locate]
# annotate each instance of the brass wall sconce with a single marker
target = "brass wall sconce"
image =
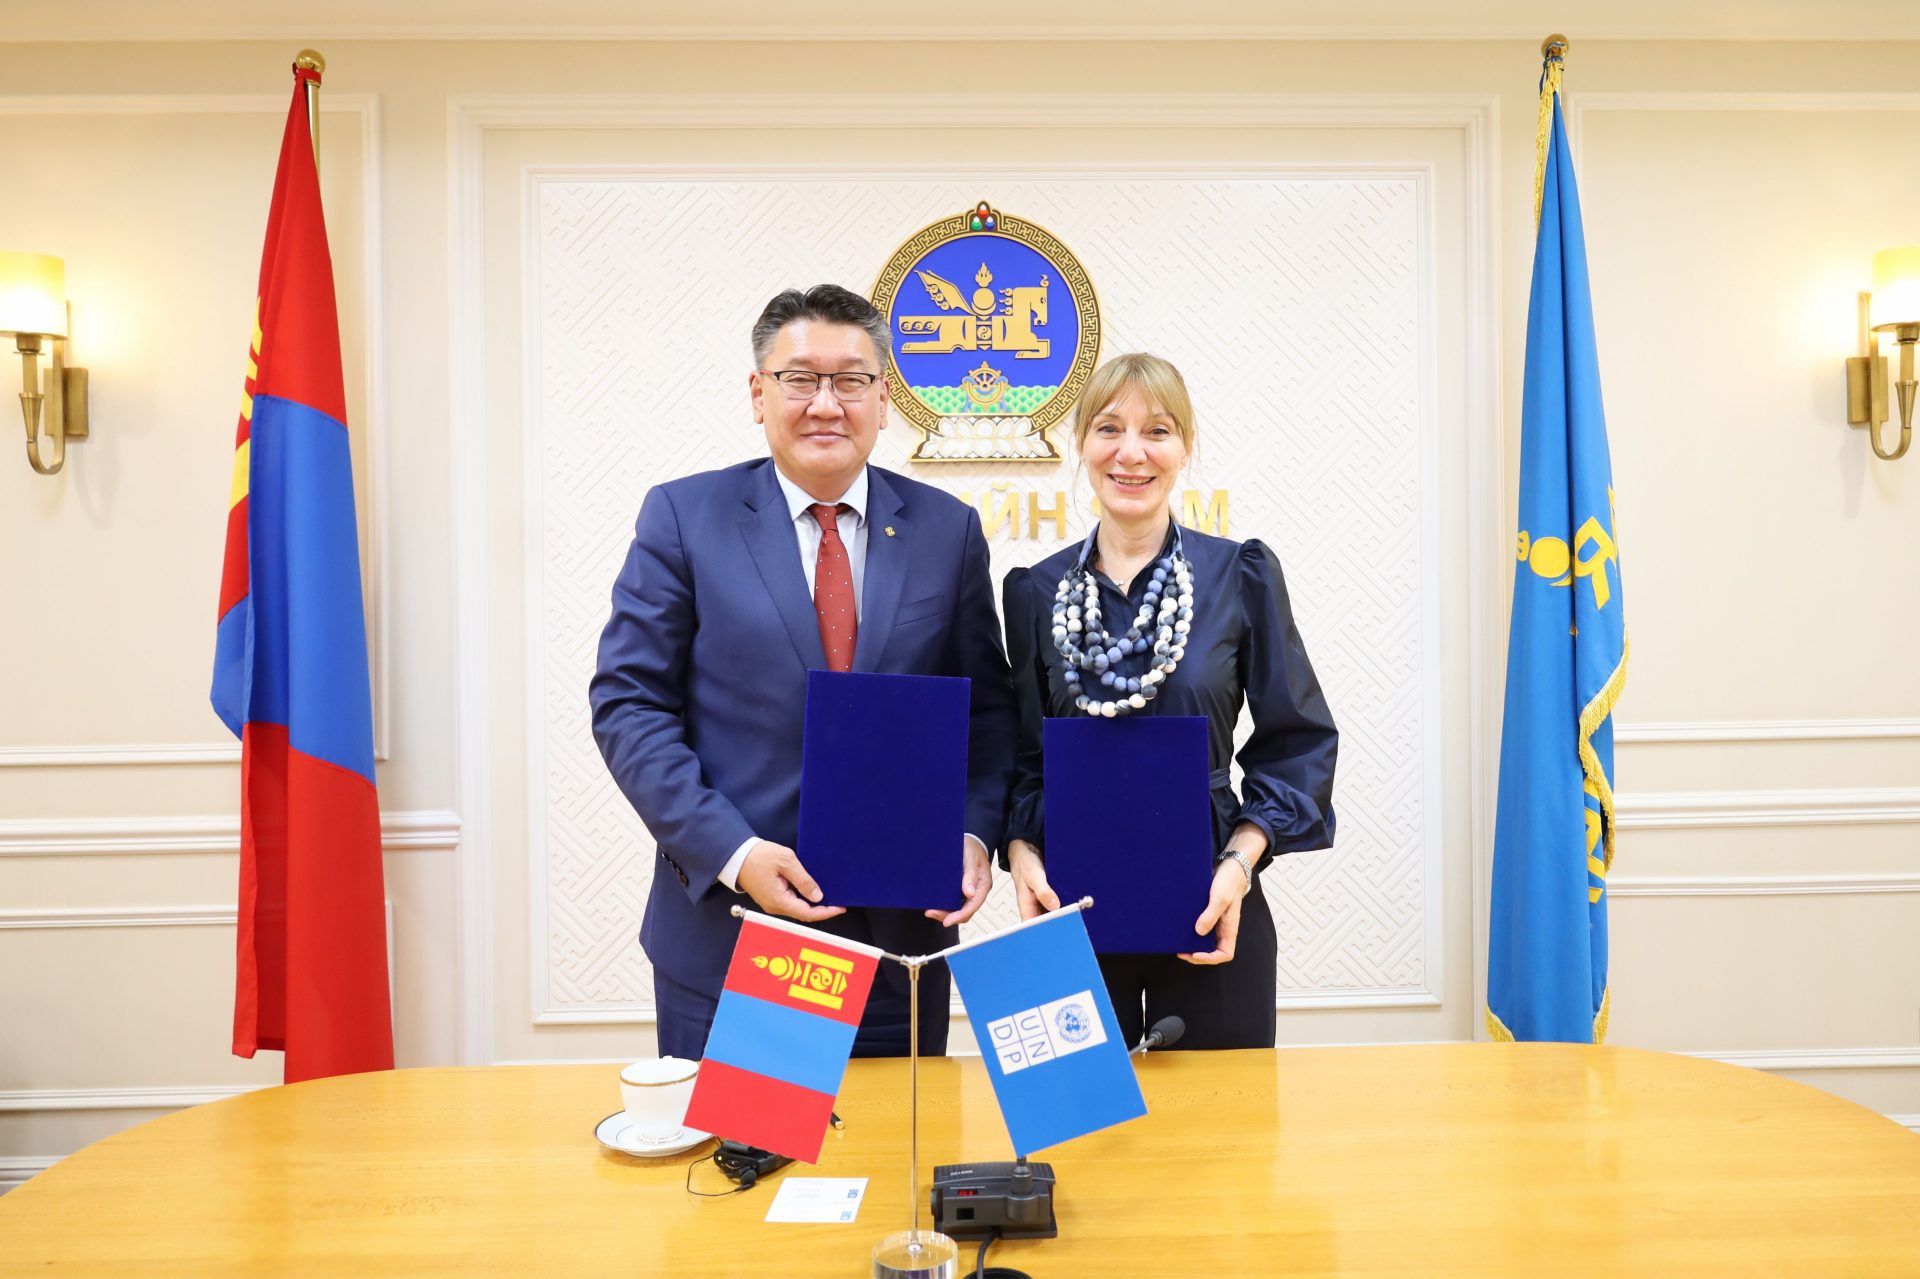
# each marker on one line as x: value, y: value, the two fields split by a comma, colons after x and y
x: 1892, y: 307
x: 34, y: 309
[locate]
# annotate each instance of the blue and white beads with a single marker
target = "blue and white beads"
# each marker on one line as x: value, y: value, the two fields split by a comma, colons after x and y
x: 1095, y: 658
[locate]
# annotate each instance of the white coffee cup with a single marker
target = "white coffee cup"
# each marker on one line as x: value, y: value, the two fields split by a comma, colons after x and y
x: 656, y: 1091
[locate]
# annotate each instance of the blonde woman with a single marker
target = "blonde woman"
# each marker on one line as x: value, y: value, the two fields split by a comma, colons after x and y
x: 1233, y: 644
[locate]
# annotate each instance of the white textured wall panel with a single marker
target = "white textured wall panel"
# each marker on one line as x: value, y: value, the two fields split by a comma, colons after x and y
x: 1293, y: 301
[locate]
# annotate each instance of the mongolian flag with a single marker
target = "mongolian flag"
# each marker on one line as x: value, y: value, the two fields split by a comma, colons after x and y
x: 290, y: 669
x: 781, y: 1036
x: 1566, y: 651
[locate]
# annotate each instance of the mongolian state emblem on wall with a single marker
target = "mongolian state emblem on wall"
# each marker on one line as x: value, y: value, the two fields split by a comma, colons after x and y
x: 995, y: 331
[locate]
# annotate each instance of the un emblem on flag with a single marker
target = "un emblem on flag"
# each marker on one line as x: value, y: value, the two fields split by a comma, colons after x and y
x: 1073, y: 1023
x: 994, y: 332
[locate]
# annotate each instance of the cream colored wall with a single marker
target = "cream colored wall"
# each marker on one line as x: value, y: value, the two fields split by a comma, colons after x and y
x: 1767, y: 878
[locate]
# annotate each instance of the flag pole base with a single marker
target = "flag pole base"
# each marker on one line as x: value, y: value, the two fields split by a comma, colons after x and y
x: 916, y: 1254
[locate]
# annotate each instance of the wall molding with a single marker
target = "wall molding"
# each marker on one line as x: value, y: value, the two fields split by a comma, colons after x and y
x: 1761, y: 885
x: 1474, y: 117
x: 119, y: 917
x: 1374, y: 997
x: 1835, y: 806
x: 1817, y: 1058
x: 364, y: 109
x: 36, y: 1100
x: 404, y: 831
x: 472, y: 706
x: 119, y: 756
x: 44, y: 919
x: 1767, y: 730
x: 475, y: 114
x: 14, y: 1170
x: 894, y: 31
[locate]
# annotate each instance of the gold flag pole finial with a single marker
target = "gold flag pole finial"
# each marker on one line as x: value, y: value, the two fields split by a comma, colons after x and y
x: 310, y: 60
x: 1553, y: 56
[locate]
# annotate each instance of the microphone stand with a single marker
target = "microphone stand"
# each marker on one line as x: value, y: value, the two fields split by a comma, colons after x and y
x: 1164, y: 1034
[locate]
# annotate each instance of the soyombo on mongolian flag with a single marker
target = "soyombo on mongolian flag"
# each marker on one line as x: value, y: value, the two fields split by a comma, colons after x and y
x: 290, y: 669
x: 1046, y: 1028
x: 781, y: 1036
x: 1566, y: 653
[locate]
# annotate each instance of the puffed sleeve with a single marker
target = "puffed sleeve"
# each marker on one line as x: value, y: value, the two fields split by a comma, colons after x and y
x: 1288, y: 762
x: 1020, y: 605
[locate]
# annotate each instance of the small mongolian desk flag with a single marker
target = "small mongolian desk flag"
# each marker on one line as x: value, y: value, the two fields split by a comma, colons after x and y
x: 290, y: 667
x: 781, y: 1036
x: 1566, y: 651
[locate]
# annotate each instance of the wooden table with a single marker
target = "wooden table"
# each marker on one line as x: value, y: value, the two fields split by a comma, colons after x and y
x: 1445, y: 1159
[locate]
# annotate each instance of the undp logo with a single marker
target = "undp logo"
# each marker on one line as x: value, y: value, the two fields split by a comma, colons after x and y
x: 1075, y: 1023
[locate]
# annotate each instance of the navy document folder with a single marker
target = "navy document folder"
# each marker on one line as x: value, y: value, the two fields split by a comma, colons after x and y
x: 1129, y: 823
x: 883, y: 788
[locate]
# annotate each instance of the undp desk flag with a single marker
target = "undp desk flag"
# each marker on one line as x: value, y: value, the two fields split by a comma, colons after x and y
x: 1566, y: 652
x: 1046, y: 1028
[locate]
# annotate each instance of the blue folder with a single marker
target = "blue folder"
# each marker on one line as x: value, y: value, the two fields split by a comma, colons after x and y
x: 1129, y: 822
x: 883, y: 788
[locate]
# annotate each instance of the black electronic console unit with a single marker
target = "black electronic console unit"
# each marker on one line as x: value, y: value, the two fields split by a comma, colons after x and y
x: 744, y: 1164
x: 1011, y: 1200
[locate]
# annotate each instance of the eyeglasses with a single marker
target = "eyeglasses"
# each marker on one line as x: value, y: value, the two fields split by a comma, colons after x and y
x: 804, y: 384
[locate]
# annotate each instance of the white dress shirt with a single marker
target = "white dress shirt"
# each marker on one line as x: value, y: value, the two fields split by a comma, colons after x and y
x: 853, y: 535
x: 852, y: 524
x: 806, y: 530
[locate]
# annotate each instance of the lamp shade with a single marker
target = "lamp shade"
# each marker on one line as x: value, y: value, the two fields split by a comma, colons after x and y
x: 1896, y: 287
x: 33, y: 294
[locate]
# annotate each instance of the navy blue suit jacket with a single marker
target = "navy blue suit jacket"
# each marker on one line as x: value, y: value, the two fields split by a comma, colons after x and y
x: 700, y: 694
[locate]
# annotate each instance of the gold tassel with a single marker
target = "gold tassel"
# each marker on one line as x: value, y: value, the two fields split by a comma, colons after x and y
x: 1554, y: 50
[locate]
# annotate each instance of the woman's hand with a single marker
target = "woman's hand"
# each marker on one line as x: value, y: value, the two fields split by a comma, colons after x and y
x: 1231, y: 883
x: 1030, y: 888
x: 1222, y: 915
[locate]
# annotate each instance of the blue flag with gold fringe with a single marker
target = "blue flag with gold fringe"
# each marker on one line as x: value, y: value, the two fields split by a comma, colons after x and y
x: 1566, y: 651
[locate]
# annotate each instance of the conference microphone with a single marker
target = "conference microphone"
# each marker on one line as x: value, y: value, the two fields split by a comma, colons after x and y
x: 1165, y: 1034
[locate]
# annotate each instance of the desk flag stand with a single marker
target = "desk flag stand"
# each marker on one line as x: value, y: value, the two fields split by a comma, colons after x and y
x: 914, y: 1253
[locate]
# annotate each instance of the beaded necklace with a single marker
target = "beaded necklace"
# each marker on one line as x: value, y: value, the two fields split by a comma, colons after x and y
x: 1094, y: 658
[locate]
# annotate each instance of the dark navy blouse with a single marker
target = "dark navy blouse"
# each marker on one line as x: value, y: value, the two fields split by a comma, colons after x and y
x: 1243, y: 646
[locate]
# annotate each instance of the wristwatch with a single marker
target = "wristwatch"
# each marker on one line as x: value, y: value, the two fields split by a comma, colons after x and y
x: 1245, y: 863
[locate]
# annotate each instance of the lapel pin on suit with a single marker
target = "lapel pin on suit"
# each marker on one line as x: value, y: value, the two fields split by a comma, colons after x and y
x: 889, y: 530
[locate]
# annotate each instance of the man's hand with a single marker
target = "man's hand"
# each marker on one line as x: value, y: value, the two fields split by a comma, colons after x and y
x: 1222, y: 915
x: 1030, y: 887
x: 773, y: 876
x: 976, y: 877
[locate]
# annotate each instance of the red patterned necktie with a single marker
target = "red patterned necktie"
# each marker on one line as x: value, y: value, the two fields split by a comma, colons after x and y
x: 833, y: 589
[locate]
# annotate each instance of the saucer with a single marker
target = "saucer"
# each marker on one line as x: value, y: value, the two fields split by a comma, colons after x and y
x: 615, y: 1132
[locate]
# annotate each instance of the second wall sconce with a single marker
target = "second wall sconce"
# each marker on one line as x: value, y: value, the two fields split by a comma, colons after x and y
x: 34, y: 309
x: 1892, y: 307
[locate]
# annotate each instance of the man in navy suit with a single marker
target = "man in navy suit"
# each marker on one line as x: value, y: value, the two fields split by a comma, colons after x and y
x: 738, y: 582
